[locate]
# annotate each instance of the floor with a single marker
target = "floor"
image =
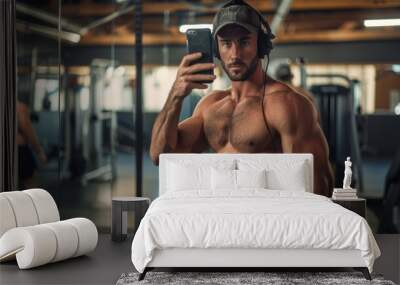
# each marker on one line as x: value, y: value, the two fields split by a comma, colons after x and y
x: 103, y: 266
x: 110, y: 260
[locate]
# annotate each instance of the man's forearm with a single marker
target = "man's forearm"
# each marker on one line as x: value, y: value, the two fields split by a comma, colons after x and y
x: 164, y: 136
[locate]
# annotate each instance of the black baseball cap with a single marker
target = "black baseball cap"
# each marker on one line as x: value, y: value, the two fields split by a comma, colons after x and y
x: 242, y: 15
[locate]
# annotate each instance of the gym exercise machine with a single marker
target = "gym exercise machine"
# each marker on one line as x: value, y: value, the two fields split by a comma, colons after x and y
x: 338, y: 121
x: 90, y: 131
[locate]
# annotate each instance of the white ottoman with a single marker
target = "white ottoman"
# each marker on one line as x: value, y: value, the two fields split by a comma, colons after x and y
x: 31, y: 230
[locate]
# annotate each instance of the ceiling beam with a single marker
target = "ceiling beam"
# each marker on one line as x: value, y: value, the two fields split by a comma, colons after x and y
x: 294, y: 21
x: 342, y: 16
x: 88, y: 9
x: 151, y: 7
x: 339, y: 36
x: 129, y: 39
x: 343, y: 4
x: 313, y: 36
x: 349, y: 25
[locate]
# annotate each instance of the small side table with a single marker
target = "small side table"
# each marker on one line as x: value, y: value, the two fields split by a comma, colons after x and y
x: 357, y: 205
x: 119, y: 214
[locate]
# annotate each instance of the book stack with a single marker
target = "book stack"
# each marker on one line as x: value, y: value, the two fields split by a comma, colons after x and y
x: 344, y: 194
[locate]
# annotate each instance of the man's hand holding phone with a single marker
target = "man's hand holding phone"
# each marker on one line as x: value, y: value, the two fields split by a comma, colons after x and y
x: 188, y: 76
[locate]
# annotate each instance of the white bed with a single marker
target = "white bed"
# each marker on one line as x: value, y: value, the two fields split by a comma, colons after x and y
x: 200, y: 220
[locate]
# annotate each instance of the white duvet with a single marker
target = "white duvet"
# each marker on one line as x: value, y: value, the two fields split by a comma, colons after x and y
x: 253, y: 218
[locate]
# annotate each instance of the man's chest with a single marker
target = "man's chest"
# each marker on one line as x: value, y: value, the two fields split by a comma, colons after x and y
x: 241, y: 125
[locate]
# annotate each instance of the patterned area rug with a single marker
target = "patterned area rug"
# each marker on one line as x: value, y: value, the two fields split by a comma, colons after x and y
x: 242, y: 278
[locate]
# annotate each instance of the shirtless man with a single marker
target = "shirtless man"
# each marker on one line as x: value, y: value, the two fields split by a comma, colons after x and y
x: 233, y: 121
x: 27, y: 141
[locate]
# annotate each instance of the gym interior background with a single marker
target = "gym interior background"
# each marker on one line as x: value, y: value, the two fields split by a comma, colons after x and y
x: 77, y: 75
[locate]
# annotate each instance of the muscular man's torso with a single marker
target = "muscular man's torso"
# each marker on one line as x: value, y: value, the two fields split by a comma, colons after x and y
x: 231, y: 126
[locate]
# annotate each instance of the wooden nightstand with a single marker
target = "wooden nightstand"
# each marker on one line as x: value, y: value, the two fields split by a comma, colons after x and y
x: 356, y: 205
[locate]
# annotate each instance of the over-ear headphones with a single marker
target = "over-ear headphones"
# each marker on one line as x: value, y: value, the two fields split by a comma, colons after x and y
x: 264, y: 35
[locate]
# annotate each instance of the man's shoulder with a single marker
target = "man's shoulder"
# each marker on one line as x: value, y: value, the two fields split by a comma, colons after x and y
x: 284, y: 103
x: 281, y: 91
x: 217, y: 94
x: 276, y: 87
x: 213, y: 96
x: 209, y: 99
x: 281, y: 95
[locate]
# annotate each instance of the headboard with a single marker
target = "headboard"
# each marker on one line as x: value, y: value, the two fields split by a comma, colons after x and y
x: 209, y: 158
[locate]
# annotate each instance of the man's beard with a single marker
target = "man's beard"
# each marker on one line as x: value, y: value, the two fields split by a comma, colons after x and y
x: 242, y: 76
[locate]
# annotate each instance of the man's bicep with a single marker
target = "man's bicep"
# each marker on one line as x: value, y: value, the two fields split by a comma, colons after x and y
x: 307, y: 140
x: 297, y: 124
x: 191, y: 136
x: 314, y: 143
x: 298, y: 127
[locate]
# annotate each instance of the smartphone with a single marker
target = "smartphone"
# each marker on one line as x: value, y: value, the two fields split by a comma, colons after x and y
x: 200, y: 40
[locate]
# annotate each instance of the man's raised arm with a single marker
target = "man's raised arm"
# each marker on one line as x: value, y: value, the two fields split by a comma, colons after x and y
x: 167, y: 136
x: 296, y: 120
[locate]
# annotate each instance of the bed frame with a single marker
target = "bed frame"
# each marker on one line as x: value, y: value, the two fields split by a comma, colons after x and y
x: 243, y: 259
x: 250, y: 257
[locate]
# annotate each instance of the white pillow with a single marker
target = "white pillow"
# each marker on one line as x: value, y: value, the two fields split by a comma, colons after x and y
x: 182, y: 177
x: 251, y: 178
x: 293, y: 179
x: 225, y: 179
x: 187, y: 175
x: 281, y: 174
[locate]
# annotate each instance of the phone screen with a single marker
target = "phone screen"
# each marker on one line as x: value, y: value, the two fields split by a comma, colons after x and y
x: 200, y: 40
